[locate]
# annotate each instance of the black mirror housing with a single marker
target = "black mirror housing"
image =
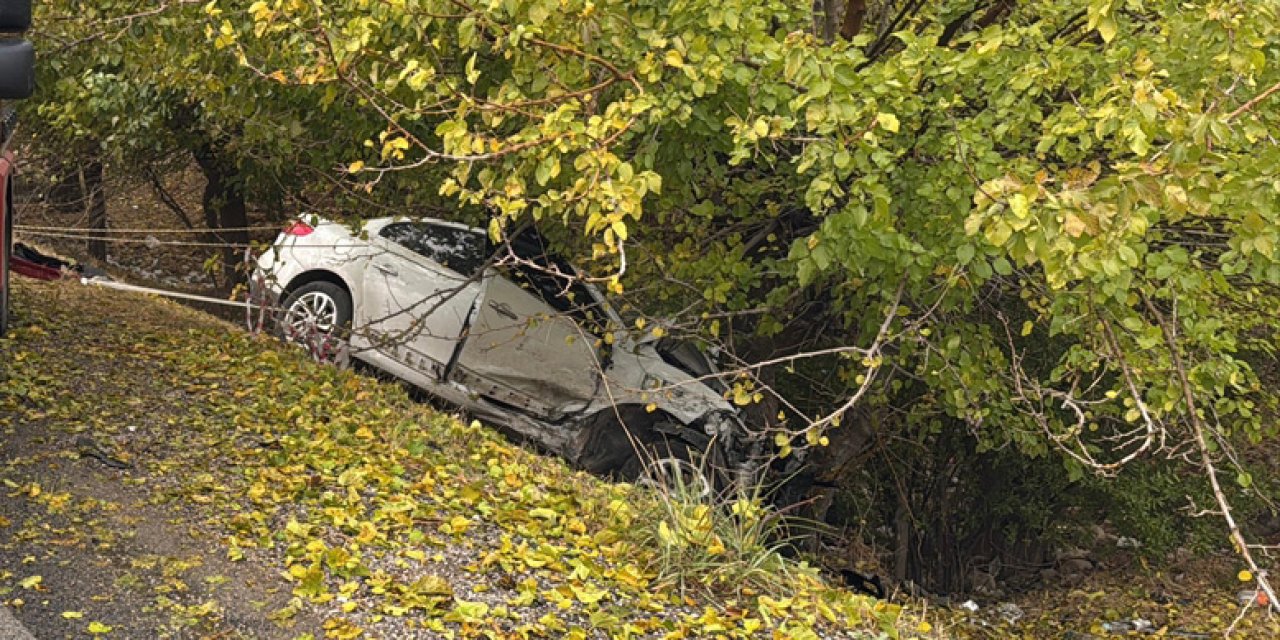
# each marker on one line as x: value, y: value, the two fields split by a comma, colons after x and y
x: 17, y: 69
x: 15, y: 16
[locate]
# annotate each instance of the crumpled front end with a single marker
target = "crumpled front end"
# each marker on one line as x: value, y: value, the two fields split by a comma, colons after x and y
x: 742, y: 451
x: 648, y: 392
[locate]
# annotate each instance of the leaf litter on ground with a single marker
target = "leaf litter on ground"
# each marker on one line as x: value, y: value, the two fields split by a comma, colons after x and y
x: 341, y: 507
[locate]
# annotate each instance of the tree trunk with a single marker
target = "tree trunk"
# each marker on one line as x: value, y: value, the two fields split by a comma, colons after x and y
x: 826, y: 18
x: 96, y: 205
x: 225, y: 213
x: 902, y: 536
x: 855, y: 14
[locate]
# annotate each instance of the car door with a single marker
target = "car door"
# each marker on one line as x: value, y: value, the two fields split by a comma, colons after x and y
x: 525, y: 350
x: 419, y: 287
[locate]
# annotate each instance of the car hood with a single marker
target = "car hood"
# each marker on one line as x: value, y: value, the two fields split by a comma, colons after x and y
x: 637, y: 374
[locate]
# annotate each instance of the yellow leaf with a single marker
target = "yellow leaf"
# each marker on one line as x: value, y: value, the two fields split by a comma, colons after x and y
x: 888, y: 122
x: 1245, y: 575
x: 32, y: 582
x: 543, y: 513
x: 368, y: 532
x: 674, y: 59
x: 1027, y: 327
x: 716, y: 547
x: 924, y: 627
x: 1073, y: 225
x: 1107, y: 28
x: 664, y: 532
x: 458, y: 525
x: 98, y: 628
x: 589, y: 595
x: 72, y: 615
x: 355, y: 167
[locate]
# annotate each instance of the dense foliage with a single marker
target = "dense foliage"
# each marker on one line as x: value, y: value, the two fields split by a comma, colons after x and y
x: 1047, y: 226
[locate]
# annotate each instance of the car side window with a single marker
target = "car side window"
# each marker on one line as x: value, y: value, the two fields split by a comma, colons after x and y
x: 460, y: 250
x: 566, y: 295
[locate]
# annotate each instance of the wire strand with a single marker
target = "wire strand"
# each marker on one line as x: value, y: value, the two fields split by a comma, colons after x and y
x: 154, y: 242
x: 25, y: 227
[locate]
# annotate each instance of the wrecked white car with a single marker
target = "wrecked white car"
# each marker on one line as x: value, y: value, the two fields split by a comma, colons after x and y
x: 500, y: 332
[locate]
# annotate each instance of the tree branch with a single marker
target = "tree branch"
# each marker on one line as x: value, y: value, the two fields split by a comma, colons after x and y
x: 1248, y: 106
x: 166, y: 197
x: 1202, y: 444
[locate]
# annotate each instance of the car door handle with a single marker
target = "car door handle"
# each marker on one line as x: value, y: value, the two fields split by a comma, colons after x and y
x: 503, y: 309
x: 387, y: 270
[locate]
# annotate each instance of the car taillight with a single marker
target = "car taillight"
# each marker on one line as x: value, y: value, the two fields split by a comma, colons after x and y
x: 298, y: 228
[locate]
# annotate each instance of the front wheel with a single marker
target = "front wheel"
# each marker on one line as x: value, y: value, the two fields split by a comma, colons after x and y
x: 674, y: 467
x: 317, y: 316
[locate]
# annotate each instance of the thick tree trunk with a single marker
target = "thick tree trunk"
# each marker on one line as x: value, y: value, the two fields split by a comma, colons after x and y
x: 855, y: 14
x: 225, y: 213
x: 92, y: 187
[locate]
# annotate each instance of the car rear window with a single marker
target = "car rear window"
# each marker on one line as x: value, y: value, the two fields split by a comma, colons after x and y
x: 461, y: 250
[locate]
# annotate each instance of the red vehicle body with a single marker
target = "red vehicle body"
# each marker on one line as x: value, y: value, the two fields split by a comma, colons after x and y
x: 6, y: 235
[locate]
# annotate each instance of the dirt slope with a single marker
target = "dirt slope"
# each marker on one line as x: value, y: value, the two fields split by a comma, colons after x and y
x: 167, y: 475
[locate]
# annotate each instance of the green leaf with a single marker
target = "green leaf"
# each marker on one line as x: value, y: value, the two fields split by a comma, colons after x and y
x: 1002, y: 266
x: 548, y: 168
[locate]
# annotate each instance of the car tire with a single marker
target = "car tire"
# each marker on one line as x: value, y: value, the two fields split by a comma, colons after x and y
x: 672, y: 467
x: 317, y: 317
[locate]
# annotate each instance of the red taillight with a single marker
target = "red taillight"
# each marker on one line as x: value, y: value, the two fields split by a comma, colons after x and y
x: 298, y: 228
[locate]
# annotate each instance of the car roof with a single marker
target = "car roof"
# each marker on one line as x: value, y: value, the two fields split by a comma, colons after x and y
x: 374, y: 224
